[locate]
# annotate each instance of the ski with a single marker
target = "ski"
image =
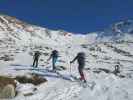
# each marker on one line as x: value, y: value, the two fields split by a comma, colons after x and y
x: 86, y: 84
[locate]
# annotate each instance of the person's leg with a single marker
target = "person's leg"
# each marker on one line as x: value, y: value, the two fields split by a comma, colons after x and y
x: 34, y: 63
x: 53, y: 62
x: 82, y: 77
x: 117, y: 70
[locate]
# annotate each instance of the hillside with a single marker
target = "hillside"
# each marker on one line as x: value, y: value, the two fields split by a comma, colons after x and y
x: 19, y: 40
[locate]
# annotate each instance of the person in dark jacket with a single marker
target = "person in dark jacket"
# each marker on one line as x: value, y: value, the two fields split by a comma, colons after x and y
x: 36, y: 58
x: 117, y: 68
x: 54, y: 56
x: 81, y: 63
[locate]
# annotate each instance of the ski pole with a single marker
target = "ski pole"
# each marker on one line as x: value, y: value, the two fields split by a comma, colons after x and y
x: 70, y: 69
x: 68, y: 58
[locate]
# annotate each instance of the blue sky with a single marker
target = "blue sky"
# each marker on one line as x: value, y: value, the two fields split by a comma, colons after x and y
x: 78, y: 16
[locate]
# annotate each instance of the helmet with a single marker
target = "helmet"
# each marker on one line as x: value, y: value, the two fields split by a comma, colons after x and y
x: 81, y: 54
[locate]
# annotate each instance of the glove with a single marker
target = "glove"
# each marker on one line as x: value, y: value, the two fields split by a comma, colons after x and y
x: 71, y: 62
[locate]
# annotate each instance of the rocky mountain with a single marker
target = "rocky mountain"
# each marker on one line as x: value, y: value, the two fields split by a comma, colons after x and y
x: 18, y: 32
x: 14, y: 31
x: 103, y: 50
x: 120, y: 31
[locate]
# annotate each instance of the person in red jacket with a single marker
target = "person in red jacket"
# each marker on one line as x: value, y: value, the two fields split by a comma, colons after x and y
x: 81, y: 63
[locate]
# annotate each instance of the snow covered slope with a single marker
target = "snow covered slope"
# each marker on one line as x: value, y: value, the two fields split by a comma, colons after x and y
x: 122, y: 30
x: 18, y: 41
x: 19, y: 32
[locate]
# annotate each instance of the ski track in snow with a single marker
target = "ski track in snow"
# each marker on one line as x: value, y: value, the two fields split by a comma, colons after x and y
x: 58, y: 88
x: 108, y: 86
x: 64, y: 91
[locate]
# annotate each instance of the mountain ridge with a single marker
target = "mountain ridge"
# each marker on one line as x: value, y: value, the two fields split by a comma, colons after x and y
x: 18, y: 30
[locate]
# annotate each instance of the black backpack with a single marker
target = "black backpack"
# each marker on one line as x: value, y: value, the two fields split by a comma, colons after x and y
x: 81, y: 55
x: 37, y: 53
x: 81, y: 58
x: 55, y: 53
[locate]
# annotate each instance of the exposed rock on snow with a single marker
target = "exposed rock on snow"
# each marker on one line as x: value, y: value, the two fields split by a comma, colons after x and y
x: 7, y: 87
x: 6, y: 58
x: 4, y: 80
x: 8, y: 91
x: 33, y: 79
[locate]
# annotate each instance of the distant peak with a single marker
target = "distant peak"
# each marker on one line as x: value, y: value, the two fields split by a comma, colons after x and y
x: 124, y: 26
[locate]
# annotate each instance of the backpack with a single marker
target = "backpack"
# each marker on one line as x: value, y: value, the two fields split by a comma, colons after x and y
x: 81, y: 55
x: 81, y: 58
x: 37, y: 54
x: 55, y: 53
